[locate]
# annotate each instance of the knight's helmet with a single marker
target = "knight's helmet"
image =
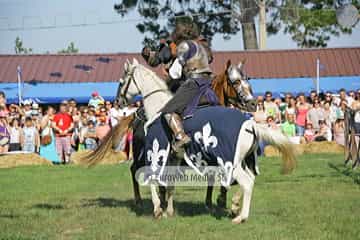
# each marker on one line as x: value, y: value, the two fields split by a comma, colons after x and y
x: 191, y: 45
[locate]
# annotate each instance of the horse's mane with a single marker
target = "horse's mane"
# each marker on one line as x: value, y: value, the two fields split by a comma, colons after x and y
x: 148, y: 73
x: 221, y: 86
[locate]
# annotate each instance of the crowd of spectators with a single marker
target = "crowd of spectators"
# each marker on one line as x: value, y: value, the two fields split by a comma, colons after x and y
x: 307, y: 119
x: 56, y: 133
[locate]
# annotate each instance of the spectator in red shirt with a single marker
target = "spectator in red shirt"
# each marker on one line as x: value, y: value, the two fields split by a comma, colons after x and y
x: 63, y: 126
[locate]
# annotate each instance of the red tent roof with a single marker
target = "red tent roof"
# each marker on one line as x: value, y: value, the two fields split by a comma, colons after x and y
x: 109, y: 67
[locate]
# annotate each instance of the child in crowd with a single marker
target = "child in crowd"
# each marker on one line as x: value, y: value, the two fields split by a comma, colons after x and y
x: 309, y: 133
x: 89, y: 136
x: 15, y: 133
x: 30, y: 139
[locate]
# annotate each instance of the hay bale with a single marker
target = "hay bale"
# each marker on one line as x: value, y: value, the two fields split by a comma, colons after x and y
x: 308, y: 148
x: 323, y: 147
x: 22, y: 159
x: 111, y: 157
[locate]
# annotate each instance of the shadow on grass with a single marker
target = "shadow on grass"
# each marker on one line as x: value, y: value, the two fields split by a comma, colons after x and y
x: 11, y: 216
x: 185, y: 209
x: 48, y: 206
x: 348, y: 172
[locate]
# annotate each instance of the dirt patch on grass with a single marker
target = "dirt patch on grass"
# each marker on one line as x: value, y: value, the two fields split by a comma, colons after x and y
x: 309, y: 148
x: 22, y: 159
x: 111, y: 157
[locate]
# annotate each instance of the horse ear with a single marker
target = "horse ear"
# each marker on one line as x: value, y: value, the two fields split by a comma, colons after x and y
x: 135, y: 61
x: 228, y: 64
x: 126, y: 65
x: 241, y: 64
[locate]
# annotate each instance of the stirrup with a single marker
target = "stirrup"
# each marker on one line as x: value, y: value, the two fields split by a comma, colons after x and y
x: 181, y: 143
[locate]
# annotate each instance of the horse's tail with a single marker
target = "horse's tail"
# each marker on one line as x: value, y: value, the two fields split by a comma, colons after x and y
x: 110, y: 141
x: 281, y: 142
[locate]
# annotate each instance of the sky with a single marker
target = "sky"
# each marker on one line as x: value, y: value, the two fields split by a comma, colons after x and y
x: 100, y: 38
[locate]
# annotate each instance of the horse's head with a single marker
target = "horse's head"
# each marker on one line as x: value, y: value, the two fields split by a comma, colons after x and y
x: 128, y: 86
x: 239, y: 82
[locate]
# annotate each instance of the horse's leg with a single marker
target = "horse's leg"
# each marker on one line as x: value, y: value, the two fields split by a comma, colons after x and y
x: 221, y: 199
x: 245, y: 181
x: 156, y: 202
x: 208, y: 199
x: 137, y: 195
x: 170, y: 201
x: 246, y: 184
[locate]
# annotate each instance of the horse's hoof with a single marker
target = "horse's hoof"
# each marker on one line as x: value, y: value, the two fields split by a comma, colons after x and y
x: 158, y: 214
x: 234, y: 211
x: 239, y: 220
x: 208, y: 206
x: 170, y: 213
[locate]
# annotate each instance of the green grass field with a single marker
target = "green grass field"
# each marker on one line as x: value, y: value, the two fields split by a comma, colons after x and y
x: 320, y: 200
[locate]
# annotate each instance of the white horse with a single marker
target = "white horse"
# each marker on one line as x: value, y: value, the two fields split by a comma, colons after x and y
x: 138, y: 79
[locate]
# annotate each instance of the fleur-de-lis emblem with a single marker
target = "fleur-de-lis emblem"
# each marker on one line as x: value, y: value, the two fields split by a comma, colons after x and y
x: 156, y: 156
x: 205, y: 137
x: 198, y: 160
x: 226, y: 171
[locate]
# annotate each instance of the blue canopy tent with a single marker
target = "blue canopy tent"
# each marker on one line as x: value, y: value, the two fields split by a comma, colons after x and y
x: 52, y: 93
x: 280, y: 86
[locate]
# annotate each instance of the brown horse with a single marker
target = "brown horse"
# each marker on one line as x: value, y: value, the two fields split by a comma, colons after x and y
x: 230, y: 86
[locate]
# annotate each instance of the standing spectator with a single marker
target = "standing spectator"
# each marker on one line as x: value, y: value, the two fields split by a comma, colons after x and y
x: 48, y: 147
x: 72, y: 105
x: 30, y: 140
x: 108, y: 106
x: 2, y: 99
x: 313, y: 96
x: 115, y: 114
x: 15, y: 112
x: 15, y: 133
x: 4, y: 131
x: 315, y: 114
x: 344, y: 97
x: 27, y: 108
x: 260, y: 115
x: 271, y: 108
x: 328, y: 97
x: 291, y: 108
x: 95, y: 100
x: 63, y: 126
x: 327, y: 113
x: 302, y: 108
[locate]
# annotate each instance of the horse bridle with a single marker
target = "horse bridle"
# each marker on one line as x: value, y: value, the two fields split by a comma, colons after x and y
x: 132, y: 78
x: 239, y: 101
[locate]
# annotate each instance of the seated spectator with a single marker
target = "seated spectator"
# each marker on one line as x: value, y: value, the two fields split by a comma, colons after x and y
x: 15, y: 133
x: 271, y: 123
x: 288, y: 127
x: 339, y: 132
x: 30, y: 140
x: 324, y: 133
x: 4, y: 132
x: 88, y: 135
x: 309, y: 133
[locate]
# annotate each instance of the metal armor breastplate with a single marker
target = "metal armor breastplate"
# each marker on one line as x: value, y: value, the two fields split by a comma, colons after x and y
x: 194, y: 57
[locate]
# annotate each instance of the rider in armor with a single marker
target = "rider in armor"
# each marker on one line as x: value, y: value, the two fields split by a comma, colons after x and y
x: 189, y: 68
